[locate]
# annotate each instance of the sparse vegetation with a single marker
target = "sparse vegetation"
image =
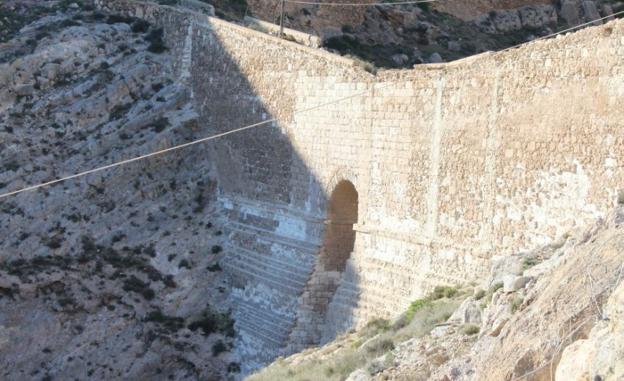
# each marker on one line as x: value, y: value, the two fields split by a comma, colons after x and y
x: 134, y: 284
x: 470, y: 329
x: 440, y: 292
x: 160, y: 125
x: 529, y: 262
x: 233, y: 10
x: 487, y: 298
x: 516, y: 303
x: 416, y: 306
x: 213, y: 268
x: 184, y: 264
x: 361, y: 349
x: 233, y: 367
x: 212, y: 322
x: 156, y: 41
x: 218, y: 348
x: 479, y: 294
x: 140, y: 26
x: 169, y: 323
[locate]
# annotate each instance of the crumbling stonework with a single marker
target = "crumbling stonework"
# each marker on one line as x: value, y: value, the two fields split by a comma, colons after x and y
x: 452, y: 163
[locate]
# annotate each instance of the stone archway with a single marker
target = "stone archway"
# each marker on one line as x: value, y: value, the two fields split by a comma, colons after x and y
x: 337, y: 246
x: 342, y: 214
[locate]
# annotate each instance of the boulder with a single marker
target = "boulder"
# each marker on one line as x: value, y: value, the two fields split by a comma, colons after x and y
x: 590, y: 11
x: 570, y: 12
x: 400, y: 59
x: 538, y: 16
x: 506, y: 21
x: 441, y: 330
x: 435, y: 58
x: 24, y: 90
x: 496, y: 315
x: 484, y: 23
x: 467, y: 313
x: 454, y: 46
x: 574, y: 363
x: 512, y: 283
x: 504, y: 266
x: 359, y: 375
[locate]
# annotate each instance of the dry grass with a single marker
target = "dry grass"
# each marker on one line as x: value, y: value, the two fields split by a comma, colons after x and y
x: 363, y: 348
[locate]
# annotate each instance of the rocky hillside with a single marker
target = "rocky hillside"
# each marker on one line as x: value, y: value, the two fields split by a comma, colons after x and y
x: 114, y: 275
x: 552, y: 314
x: 404, y: 35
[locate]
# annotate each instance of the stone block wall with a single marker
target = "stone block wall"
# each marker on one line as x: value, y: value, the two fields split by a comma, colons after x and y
x: 453, y: 163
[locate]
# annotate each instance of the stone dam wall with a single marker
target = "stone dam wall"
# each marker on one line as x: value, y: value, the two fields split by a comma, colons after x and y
x: 421, y: 176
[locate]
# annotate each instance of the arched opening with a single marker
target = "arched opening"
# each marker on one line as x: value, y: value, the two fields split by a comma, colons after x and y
x: 342, y: 214
x: 324, y: 282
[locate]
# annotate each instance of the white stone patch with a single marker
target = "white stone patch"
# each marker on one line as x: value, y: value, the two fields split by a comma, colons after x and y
x: 291, y: 227
x: 615, y: 88
x: 556, y: 200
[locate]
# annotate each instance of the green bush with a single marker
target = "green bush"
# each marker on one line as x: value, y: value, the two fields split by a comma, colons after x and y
x: 213, y: 322
x: 416, y: 306
x: 440, y: 292
x: 490, y: 292
x: 377, y: 325
x: 134, y: 284
x: 380, y: 346
x: 218, y: 348
x: 170, y: 323
x: 529, y: 262
x: 213, y: 268
x: 140, y: 26
x: 516, y: 303
x: 155, y: 38
x: 470, y: 329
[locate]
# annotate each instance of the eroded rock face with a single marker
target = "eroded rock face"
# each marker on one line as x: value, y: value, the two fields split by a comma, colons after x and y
x: 565, y: 322
x: 114, y: 275
x: 449, y: 30
x: 525, y: 329
x: 601, y: 355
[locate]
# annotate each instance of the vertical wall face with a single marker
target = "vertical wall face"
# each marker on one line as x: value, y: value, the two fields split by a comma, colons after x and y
x: 319, y: 305
x: 452, y: 164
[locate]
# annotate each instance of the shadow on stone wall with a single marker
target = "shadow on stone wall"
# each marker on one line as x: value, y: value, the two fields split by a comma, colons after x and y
x: 287, y: 266
x: 273, y: 206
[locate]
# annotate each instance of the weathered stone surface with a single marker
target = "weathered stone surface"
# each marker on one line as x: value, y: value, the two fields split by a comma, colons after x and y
x: 513, y: 283
x: 101, y: 277
x: 400, y: 59
x: 570, y: 12
x: 601, y: 355
x: 452, y: 163
x: 575, y: 360
x: 590, y: 11
x: 529, y: 17
x: 435, y: 58
x: 359, y: 375
x: 467, y: 313
x: 538, y: 16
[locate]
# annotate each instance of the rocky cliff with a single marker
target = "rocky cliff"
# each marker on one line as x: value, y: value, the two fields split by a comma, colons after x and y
x: 404, y: 35
x: 550, y: 314
x: 115, y: 275
x: 118, y: 274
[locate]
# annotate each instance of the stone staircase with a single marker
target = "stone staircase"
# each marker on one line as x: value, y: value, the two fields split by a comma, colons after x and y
x: 269, y: 270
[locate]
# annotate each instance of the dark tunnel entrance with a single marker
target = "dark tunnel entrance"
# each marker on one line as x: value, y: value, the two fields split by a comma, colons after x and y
x: 342, y: 214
